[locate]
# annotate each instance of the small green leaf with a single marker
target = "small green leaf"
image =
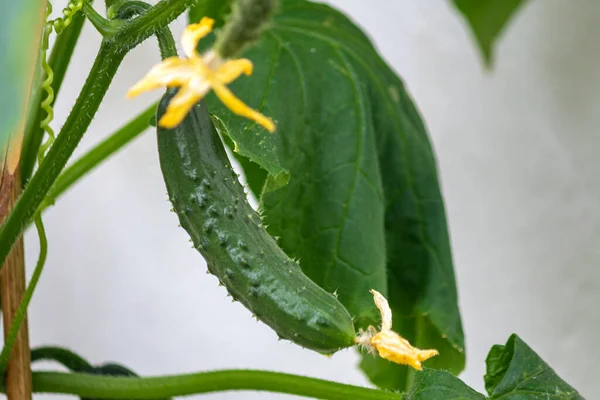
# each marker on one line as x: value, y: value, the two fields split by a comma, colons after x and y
x: 431, y: 384
x: 487, y: 19
x: 255, y: 175
x: 20, y: 32
x: 516, y: 372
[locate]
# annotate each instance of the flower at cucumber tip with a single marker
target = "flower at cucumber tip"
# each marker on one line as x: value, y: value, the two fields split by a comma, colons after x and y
x: 387, y: 343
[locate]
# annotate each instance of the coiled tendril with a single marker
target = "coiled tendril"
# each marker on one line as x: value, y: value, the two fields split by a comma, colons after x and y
x: 58, y: 25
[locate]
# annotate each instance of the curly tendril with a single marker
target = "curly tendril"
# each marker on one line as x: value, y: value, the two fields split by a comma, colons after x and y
x: 57, y: 25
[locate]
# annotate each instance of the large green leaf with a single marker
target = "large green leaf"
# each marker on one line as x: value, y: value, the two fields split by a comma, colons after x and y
x: 362, y: 208
x: 487, y: 19
x: 20, y: 31
x: 516, y: 372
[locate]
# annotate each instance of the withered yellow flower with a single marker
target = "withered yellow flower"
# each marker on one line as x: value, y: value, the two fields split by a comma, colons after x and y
x: 196, y: 75
x: 389, y: 344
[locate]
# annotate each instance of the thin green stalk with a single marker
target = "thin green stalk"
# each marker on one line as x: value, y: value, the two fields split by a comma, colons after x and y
x: 98, y: 154
x: 65, y: 357
x: 21, y: 312
x: 105, y: 387
x: 62, y: 51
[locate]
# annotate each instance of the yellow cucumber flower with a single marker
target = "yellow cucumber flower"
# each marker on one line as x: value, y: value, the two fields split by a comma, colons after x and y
x: 196, y: 75
x: 388, y: 343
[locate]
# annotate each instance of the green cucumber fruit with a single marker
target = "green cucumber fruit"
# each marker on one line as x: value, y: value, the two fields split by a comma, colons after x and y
x: 213, y: 209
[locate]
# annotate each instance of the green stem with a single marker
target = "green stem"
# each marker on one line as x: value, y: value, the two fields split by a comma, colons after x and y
x: 22, y: 309
x: 65, y: 357
x: 105, y: 387
x: 62, y: 51
x: 127, y: 9
x: 98, y: 154
x: 131, y: 8
x: 133, y: 32
x: 104, y: 68
x: 245, y: 23
x: 105, y: 27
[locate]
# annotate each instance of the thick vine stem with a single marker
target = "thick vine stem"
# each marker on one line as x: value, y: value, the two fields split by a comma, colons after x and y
x: 105, y: 387
x: 245, y: 23
x: 107, y: 62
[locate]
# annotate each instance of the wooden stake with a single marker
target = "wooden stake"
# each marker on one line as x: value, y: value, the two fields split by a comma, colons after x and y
x: 12, y: 287
x: 12, y: 275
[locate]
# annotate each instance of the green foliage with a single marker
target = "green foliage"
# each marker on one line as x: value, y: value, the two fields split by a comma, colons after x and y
x: 21, y: 19
x: 487, y: 19
x: 348, y: 182
x: 516, y: 372
x: 362, y: 209
x: 256, y: 176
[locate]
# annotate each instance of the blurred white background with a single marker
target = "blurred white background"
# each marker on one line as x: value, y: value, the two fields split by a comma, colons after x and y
x: 518, y: 155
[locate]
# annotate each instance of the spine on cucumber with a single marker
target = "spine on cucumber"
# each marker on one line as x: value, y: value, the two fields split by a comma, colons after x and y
x: 212, y: 207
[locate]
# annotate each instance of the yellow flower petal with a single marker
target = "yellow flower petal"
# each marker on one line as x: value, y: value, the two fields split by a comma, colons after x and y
x: 171, y: 72
x: 193, y: 33
x: 178, y: 108
x: 238, y: 107
x: 384, y: 308
x: 231, y: 70
x: 388, y: 344
x: 395, y: 348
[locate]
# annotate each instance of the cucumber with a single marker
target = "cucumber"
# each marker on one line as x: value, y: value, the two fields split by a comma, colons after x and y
x: 212, y: 207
